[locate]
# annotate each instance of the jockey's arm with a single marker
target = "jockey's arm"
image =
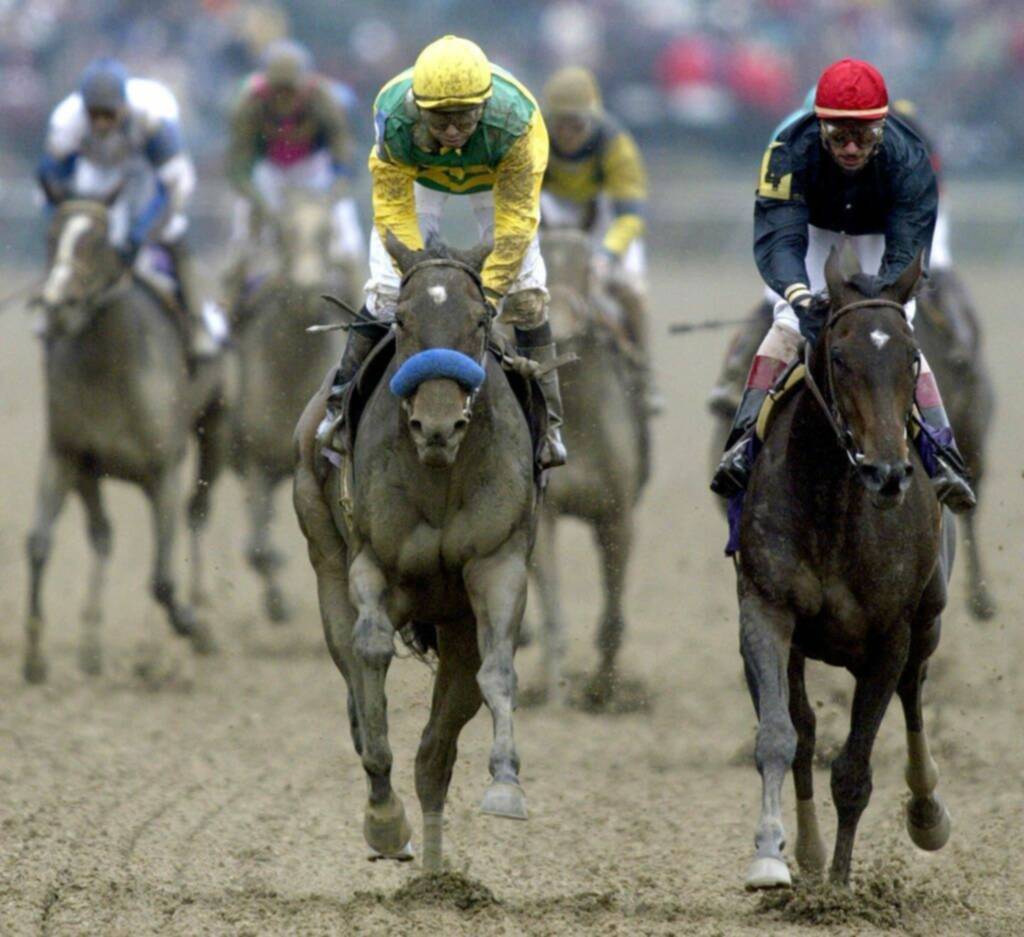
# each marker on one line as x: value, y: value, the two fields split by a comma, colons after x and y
x: 64, y: 134
x: 626, y: 186
x: 780, y: 225
x: 175, y: 180
x: 910, y: 224
x: 243, y: 146
x: 516, y: 206
x: 394, y: 200
x: 336, y: 133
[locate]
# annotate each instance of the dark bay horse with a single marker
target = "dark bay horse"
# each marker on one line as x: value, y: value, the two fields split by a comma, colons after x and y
x: 843, y: 559
x: 605, y: 429
x: 431, y: 530
x: 279, y: 369
x: 121, y: 403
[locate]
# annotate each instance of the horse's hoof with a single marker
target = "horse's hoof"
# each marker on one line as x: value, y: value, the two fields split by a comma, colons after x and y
x: 202, y: 640
x: 929, y: 823
x: 981, y: 605
x: 405, y: 854
x: 277, y: 607
x: 504, y: 799
x: 768, y: 873
x: 35, y: 669
x: 386, y: 830
x: 90, y: 660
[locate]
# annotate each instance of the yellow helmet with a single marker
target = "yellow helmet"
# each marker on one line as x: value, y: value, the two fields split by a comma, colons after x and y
x: 572, y: 90
x: 450, y: 73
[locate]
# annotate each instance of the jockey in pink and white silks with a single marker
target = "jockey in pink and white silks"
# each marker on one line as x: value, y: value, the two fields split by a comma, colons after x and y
x: 847, y: 173
x: 118, y: 139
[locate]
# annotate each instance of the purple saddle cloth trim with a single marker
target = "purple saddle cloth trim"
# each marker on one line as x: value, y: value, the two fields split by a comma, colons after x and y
x: 734, y: 506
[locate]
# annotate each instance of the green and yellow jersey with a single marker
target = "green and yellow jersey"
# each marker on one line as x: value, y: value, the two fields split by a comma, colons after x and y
x: 609, y: 164
x: 507, y: 154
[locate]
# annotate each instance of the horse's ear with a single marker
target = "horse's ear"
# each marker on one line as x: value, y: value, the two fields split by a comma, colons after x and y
x: 849, y: 262
x: 906, y: 287
x: 404, y: 256
x: 834, y: 279
x: 477, y: 256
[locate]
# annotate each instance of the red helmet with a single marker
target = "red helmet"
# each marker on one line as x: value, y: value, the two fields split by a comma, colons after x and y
x: 851, y: 90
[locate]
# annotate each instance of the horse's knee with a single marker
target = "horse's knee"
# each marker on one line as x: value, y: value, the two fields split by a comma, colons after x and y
x: 851, y: 783
x: 101, y: 536
x: 374, y: 640
x: 776, y: 744
x: 163, y: 590
x: 38, y: 546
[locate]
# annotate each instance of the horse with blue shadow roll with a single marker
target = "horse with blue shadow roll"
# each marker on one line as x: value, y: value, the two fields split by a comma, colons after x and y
x: 423, y: 525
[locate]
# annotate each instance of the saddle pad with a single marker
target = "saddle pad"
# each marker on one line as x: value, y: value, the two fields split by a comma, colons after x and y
x: 775, y: 396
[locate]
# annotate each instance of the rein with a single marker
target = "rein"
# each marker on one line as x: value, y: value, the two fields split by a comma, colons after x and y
x: 830, y: 408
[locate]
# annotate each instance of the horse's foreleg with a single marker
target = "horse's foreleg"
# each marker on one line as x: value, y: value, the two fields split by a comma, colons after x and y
x: 262, y: 557
x: 165, y: 497
x: 90, y: 654
x: 979, y: 600
x: 456, y: 700
x: 765, y: 635
x: 928, y: 821
x: 544, y: 564
x: 211, y: 432
x: 54, y: 480
x: 614, y: 537
x: 373, y: 642
x: 810, y: 848
x: 851, y: 770
x: 497, y: 591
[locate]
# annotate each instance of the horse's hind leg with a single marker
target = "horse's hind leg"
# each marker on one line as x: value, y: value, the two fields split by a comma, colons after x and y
x: 54, y: 481
x: 90, y: 653
x: 497, y: 591
x: 262, y: 557
x: 164, y: 496
x: 928, y: 821
x: 851, y: 770
x: 810, y: 847
x: 614, y: 537
x: 544, y: 563
x: 765, y: 635
x: 456, y: 700
x: 211, y: 435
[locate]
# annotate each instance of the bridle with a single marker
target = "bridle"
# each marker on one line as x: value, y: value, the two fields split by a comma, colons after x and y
x: 830, y: 407
x: 489, y: 307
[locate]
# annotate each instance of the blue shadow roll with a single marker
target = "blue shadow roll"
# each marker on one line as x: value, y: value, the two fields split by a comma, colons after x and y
x: 436, y: 363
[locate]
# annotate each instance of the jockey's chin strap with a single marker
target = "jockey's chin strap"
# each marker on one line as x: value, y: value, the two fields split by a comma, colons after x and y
x: 830, y: 408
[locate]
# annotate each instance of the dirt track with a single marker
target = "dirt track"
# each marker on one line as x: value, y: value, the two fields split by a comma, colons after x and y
x: 228, y: 798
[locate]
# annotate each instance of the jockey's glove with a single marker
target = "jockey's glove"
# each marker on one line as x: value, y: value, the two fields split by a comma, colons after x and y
x: 128, y: 252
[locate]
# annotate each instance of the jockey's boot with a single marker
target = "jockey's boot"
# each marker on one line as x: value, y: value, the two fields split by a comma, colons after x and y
x: 232, y: 282
x: 537, y: 345
x: 733, y: 472
x: 634, y: 309
x: 724, y: 398
x: 947, y: 468
x: 201, y: 343
x: 358, y: 346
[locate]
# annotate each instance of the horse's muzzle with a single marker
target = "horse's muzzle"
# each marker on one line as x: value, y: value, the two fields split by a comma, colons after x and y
x: 886, y: 481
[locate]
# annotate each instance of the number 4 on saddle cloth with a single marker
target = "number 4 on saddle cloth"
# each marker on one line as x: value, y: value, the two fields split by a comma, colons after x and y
x: 928, y: 442
x: 342, y: 436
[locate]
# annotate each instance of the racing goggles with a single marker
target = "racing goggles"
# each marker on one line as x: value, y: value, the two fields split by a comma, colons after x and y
x: 463, y: 120
x: 863, y: 134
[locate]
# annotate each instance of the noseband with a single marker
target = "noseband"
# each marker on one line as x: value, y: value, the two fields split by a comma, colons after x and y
x: 830, y: 407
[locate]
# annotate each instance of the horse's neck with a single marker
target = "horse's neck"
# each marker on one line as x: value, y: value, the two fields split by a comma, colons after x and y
x: 814, y: 458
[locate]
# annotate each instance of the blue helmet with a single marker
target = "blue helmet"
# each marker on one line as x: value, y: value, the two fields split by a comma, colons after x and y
x: 103, y: 85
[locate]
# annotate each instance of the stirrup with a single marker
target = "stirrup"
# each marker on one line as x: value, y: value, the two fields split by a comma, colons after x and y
x: 951, y: 488
x: 733, y: 473
x: 552, y: 450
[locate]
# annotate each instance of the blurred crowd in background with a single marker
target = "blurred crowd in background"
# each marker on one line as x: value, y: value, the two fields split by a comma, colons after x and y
x: 715, y: 73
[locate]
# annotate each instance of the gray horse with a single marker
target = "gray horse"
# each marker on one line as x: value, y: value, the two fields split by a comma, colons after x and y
x: 121, y: 403
x: 607, y: 435
x: 279, y: 368
x: 427, y: 529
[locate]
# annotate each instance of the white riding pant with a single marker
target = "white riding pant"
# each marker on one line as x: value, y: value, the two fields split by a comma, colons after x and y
x: 868, y: 249
x: 382, y: 287
x: 134, y: 182
x: 631, y: 270
x: 312, y: 174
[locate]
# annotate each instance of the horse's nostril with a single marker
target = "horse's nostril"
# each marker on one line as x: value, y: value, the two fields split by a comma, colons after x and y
x: 461, y: 424
x: 416, y: 425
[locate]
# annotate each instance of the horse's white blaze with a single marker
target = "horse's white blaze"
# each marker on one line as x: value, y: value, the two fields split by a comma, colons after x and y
x: 63, y: 262
x: 438, y: 294
x: 880, y: 338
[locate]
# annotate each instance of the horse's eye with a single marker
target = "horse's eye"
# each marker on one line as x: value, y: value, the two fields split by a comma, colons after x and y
x: 400, y: 322
x: 837, y: 358
x: 483, y: 321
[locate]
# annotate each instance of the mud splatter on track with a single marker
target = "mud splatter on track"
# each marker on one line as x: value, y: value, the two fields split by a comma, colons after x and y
x: 230, y: 801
